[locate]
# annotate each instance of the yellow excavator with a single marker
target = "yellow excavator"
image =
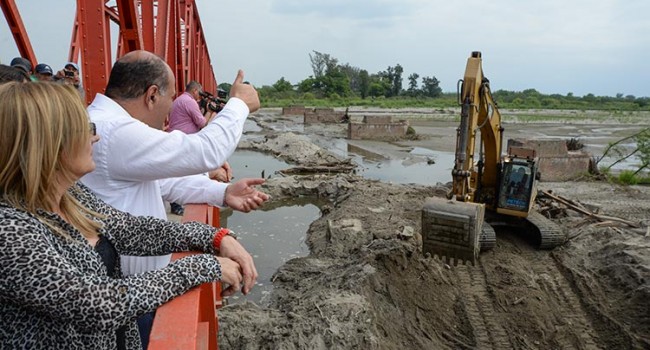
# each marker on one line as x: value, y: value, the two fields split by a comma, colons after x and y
x: 489, y: 188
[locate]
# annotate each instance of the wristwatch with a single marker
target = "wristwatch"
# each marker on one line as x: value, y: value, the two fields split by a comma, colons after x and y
x: 232, y: 234
x: 218, y: 237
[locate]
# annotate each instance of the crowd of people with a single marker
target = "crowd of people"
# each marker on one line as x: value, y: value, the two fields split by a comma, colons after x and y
x: 84, y: 238
x: 43, y: 72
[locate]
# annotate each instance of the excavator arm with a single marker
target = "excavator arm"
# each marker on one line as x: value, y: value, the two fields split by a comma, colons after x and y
x: 452, y: 228
x: 476, y: 180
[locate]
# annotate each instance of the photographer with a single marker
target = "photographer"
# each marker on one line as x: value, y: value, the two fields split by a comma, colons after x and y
x: 185, y: 113
x: 70, y: 75
x: 186, y: 116
x: 210, y: 103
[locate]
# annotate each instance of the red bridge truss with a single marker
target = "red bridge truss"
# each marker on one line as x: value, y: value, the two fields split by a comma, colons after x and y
x: 171, y: 29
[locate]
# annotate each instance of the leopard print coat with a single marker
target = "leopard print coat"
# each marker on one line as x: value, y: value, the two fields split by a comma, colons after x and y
x: 55, y: 292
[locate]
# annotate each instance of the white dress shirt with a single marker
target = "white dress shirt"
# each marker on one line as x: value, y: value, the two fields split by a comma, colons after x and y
x: 138, y: 166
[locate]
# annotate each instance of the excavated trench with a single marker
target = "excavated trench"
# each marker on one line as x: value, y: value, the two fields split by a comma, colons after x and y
x: 363, y: 282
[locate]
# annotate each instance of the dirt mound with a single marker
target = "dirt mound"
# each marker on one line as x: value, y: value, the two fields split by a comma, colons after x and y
x: 366, y: 284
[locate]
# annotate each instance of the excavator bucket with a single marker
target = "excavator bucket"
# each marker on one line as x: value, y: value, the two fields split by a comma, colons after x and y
x: 451, y: 229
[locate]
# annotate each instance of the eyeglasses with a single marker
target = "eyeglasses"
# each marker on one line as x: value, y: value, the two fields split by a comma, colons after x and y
x: 93, y: 129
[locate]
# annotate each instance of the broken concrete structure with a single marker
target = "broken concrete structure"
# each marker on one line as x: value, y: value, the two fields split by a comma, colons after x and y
x: 323, y: 115
x: 377, y: 119
x: 377, y: 127
x: 293, y: 110
x: 556, y: 162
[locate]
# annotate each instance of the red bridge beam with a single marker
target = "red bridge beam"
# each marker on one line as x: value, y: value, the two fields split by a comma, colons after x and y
x: 18, y: 30
x: 171, y: 29
x: 190, y: 320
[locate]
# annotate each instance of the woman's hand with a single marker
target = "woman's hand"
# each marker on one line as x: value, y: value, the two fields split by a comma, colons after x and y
x: 232, y: 249
x: 231, y: 275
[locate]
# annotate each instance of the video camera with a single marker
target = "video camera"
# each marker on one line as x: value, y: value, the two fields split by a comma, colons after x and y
x: 212, y: 102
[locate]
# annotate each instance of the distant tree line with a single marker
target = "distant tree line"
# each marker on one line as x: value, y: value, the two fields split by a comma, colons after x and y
x: 334, y: 80
x: 531, y: 98
x: 333, y: 83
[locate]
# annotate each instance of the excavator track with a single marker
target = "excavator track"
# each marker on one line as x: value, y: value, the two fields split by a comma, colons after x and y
x: 488, y: 333
x: 575, y: 330
x: 550, y: 234
x: 488, y: 237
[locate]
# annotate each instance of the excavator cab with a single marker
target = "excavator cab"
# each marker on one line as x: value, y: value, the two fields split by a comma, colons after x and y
x: 517, y: 186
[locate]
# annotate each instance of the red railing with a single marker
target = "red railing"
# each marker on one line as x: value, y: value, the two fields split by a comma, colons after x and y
x: 190, y: 320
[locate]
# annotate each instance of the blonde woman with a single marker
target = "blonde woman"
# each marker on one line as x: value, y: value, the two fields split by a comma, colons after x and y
x: 61, y: 284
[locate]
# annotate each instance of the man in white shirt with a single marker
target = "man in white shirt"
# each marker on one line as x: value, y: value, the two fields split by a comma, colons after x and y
x: 138, y: 164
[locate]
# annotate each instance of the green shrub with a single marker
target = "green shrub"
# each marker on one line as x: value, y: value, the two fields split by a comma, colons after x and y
x: 627, y: 177
x: 308, y: 96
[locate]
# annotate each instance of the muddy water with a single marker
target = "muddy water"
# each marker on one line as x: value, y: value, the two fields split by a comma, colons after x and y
x: 254, y: 164
x: 420, y: 166
x: 275, y: 235
x: 272, y: 237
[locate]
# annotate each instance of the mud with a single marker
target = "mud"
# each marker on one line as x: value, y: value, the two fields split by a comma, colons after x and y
x: 367, y: 285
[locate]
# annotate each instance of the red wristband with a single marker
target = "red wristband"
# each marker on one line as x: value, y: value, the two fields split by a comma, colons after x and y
x: 216, y: 242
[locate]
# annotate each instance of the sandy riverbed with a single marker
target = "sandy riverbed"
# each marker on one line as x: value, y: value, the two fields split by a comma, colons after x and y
x: 367, y: 285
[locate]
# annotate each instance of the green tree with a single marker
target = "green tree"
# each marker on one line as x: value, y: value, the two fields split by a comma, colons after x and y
x: 321, y: 63
x: 329, y: 77
x: 364, y: 83
x: 307, y: 85
x: 431, y: 87
x: 282, y: 85
x: 266, y: 92
x: 531, y: 93
x: 397, y: 80
x: 335, y: 82
x: 589, y: 98
x: 393, y: 76
x: 354, y: 76
x: 550, y: 103
x: 413, y: 84
x: 378, y: 88
x: 224, y: 86
x: 533, y: 102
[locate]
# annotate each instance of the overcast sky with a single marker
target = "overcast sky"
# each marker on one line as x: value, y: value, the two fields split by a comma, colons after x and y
x: 554, y: 46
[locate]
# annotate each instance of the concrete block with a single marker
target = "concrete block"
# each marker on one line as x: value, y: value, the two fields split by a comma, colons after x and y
x: 543, y: 148
x: 556, y: 163
x: 377, y: 119
x: 293, y: 110
x: 366, y: 131
x: 323, y: 115
x: 570, y: 167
